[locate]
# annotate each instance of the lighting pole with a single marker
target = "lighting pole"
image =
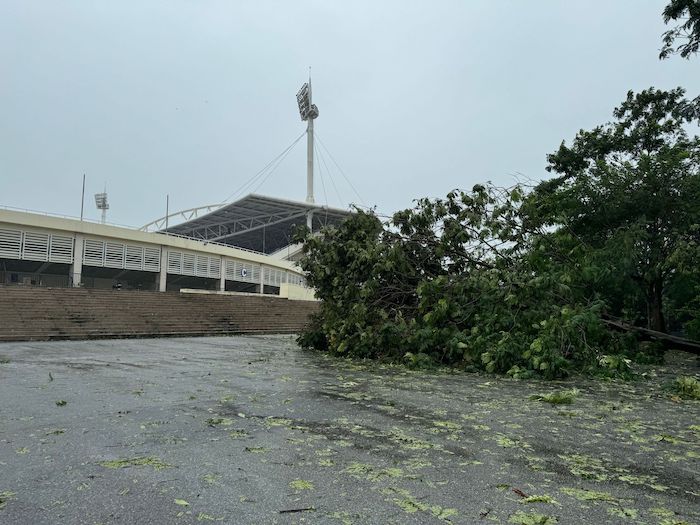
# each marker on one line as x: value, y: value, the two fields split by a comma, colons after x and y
x: 308, y: 112
x: 102, y: 204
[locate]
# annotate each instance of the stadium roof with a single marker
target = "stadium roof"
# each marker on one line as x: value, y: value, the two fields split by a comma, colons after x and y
x: 256, y: 222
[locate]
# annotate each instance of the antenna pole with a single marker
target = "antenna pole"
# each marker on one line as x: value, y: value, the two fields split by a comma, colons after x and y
x: 82, y: 200
x: 310, y: 154
x: 167, y: 209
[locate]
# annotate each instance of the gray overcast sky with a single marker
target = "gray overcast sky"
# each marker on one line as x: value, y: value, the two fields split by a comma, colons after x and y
x: 416, y: 98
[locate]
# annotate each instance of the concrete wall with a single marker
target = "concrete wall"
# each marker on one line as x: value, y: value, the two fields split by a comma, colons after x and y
x: 294, y: 292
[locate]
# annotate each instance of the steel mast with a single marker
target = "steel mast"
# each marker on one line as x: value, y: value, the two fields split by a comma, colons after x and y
x: 308, y: 112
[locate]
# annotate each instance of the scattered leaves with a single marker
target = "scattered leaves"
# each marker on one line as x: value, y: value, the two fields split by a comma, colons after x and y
x: 154, y: 462
x: 523, y: 518
x: 300, y: 484
x: 5, y: 497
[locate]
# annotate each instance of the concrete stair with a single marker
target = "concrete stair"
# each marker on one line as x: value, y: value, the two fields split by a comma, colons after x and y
x: 36, y: 314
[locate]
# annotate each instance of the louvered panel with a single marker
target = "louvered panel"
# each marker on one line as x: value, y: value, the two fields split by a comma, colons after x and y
x: 256, y: 273
x: 271, y: 276
x: 114, y: 255
x: 230, y: 270
x: 151, y: 259
x: 295, y: 278
x: 201, y: 265
x: 214, y: 267
x: 93, y: 253
x: 188, y: 264
x: 35, y: 246
x: 175, y: 262
x: 61, y: 249
x: 11, y: 244
x: 134, y: 257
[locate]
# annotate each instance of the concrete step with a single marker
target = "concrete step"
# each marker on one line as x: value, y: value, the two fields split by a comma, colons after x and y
x: 59, y: 313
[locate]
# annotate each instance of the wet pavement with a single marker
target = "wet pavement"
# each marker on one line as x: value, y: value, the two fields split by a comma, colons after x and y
x: 241, y: 430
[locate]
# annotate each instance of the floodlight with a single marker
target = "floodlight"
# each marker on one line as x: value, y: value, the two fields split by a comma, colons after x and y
x: 101, y: 201
x: 102, y: 204
x: 307, y: 110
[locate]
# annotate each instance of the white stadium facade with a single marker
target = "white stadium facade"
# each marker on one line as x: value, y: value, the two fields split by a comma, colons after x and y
x: 243, y: 246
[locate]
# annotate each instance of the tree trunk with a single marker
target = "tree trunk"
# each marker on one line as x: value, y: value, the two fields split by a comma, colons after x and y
x: 669, y: 341
x: 655, y: 296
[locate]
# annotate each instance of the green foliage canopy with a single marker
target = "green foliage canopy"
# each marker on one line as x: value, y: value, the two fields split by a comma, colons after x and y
x: 629, y: 192
x: 688, y: 31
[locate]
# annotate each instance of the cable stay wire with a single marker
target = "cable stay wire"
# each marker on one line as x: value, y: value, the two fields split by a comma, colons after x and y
x: 272, y: 165
x: 330, y: 176
x: 252, y: 180
x: 320, y: 175
x: 272, y: 170
x: 340, y: 169
x: 323, y: 185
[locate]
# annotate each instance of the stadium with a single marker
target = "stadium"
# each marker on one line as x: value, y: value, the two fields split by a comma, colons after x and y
x: 242, y: 246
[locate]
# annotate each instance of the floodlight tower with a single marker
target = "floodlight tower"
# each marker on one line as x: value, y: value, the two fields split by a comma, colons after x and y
x: 102, y: 204
x: 308, y: 112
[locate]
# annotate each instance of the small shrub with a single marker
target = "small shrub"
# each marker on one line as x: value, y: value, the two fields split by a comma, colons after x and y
x: 418, y: 361
x: 614, y: 365
x: 687, y: 387
x: 563, y: 397
x: 313, y: 335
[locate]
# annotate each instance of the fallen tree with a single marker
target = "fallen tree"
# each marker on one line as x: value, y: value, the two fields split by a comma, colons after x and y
x: 517, y: 280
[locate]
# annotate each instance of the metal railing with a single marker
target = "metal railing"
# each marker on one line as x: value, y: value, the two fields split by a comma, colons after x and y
x: 168, y: 234
x: 93, y: 221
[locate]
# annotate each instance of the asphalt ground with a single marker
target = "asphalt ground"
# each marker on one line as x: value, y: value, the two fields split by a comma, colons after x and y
x: 241, y: 430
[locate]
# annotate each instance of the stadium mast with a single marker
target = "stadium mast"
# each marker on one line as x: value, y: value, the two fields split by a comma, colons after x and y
x: 102, y: 204
x: 308, y: 112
